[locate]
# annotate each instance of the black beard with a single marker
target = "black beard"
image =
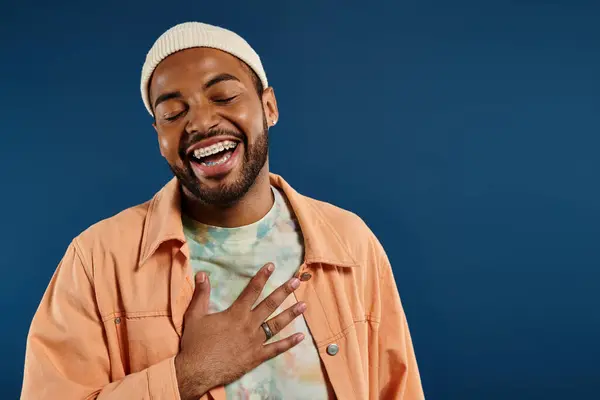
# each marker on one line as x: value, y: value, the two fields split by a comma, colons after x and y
x: 255, y: 157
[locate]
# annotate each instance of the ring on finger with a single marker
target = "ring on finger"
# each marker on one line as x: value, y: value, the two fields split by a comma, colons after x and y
x: 267, y: 329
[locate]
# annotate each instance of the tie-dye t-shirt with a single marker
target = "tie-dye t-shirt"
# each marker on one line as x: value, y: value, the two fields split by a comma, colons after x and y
x: 231, y: 256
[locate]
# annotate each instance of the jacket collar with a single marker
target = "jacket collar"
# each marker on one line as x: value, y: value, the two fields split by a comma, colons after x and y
x: 322, y: 242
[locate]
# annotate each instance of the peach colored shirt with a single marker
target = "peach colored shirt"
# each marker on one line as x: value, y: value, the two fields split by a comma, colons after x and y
x: 110, y: 321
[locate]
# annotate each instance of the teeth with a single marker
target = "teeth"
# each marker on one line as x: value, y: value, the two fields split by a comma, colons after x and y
x: 220, y: 161
x: 215, y: 148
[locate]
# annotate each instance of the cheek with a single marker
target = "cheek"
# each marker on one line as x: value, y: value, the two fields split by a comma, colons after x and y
x: 164, y: 144
x: 169, y: 146
x: 251, y: 119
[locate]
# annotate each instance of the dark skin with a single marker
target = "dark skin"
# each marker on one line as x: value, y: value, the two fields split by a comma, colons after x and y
x: 211, y: 92
x: 197, y: 94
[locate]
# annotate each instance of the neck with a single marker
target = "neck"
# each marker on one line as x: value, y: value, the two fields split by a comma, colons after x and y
x: 253, y: 206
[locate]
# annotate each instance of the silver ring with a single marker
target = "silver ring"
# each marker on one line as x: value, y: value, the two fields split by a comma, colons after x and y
x: 267, y: 330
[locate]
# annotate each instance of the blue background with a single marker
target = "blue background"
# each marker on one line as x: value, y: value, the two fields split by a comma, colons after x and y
x: 465, y: 133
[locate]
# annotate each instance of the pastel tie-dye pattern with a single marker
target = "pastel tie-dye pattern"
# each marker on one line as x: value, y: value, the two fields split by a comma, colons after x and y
x: 231, y: 256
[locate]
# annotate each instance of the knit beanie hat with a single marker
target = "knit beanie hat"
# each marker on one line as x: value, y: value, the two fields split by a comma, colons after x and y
x: 197, y: 34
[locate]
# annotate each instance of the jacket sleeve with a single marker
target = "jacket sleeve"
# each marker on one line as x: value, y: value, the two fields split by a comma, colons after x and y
x: 399, y: 376
x: 66, y: 354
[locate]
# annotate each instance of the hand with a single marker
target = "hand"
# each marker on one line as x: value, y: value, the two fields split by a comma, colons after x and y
x: 217, y: 349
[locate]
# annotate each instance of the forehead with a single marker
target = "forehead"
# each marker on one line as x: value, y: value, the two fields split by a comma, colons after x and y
x: 193, y: 65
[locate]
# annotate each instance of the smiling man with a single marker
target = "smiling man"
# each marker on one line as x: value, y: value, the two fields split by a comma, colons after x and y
x: 227, y: 284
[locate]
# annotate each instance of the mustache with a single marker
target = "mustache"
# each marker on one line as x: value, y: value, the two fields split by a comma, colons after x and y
x: 197, y: 137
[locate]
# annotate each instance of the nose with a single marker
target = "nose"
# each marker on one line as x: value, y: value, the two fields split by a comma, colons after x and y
x: 202, y: 118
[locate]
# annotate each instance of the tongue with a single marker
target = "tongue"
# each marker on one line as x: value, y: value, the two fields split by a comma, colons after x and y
x: 215, y: 157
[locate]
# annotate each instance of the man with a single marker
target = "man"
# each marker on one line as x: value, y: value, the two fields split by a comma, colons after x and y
x: 228, y: 283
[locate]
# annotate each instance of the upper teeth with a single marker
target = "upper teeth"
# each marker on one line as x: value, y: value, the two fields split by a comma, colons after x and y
x: 215, y: 148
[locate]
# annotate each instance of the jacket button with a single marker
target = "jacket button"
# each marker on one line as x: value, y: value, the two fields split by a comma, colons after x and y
x: 305, y: 276
x: 117, y: 320
x: 332, y: 349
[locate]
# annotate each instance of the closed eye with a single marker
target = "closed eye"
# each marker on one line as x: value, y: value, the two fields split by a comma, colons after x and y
x: 225, y: 101
x: 173, y: 117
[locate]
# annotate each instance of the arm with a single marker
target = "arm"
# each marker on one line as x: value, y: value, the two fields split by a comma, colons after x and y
x: 398, y: 371
x: 66, y: 353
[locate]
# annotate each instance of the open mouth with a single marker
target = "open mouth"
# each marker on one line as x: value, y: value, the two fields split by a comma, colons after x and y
x: 215, y: 158
x: 215, y: 154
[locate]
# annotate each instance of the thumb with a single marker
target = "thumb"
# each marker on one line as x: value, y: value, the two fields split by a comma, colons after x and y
x: 200, y: 299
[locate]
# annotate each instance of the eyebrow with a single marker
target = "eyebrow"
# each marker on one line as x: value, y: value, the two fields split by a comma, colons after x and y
x: 220, y: 78
x: 176, y: 95
x: 166, y: 96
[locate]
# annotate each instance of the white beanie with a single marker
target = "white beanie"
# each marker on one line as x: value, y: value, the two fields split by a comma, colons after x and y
x: 197, y: 34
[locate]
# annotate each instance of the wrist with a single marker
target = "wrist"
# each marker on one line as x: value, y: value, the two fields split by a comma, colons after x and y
x: 187, y: 380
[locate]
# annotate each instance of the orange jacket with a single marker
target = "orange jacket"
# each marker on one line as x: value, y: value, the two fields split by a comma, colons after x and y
x: 109, y: 323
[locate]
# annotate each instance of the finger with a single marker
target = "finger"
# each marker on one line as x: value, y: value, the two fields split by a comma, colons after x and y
x: 277, y: 324
x: 254, y: 288
x: 201, y: 297
x: 270, y: 304
x: 281, y: 346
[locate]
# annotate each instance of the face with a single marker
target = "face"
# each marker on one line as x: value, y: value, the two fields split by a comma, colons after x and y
x: 212, y: 124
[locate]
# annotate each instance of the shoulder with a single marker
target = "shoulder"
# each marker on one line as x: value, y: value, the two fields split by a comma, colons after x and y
x: 120, y: 230
x: 341, y: 220
x: 353, y: 232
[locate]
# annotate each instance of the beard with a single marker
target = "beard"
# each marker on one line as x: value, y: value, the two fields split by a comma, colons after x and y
x: 226, y: 194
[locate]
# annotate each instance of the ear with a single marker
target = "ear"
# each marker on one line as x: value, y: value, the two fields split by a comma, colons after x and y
x: 270, y: 106
x: 162, y: 144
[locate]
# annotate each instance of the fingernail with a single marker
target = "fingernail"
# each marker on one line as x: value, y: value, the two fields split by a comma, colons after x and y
x: 270, y: 268
x: 301, y: 307
x: 201, y: 277
x: 295, y: 283
x: 299, y: 338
